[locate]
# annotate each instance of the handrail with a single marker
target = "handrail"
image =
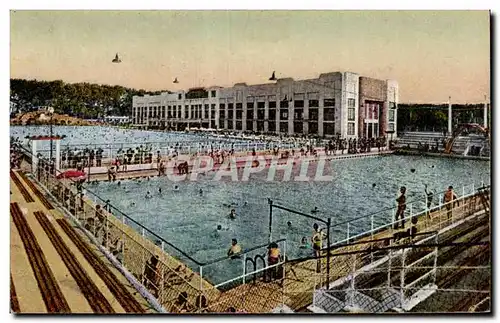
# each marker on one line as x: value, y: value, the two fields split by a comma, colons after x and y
x: 241, y: 253
x: 424, y: 199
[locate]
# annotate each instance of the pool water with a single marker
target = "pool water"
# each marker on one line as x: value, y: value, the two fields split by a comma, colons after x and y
x: 189, y: 219
x: 99, y: 135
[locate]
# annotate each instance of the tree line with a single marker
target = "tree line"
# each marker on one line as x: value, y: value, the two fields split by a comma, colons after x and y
x: 82, y: 100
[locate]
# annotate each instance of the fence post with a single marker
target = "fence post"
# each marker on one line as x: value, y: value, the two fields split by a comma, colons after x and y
x: 329, y: 223
x: 463, y: 190
x: 348, y: 230
x: 436, y: 240
x: 106, y: 234
x: 201, y: 278
x: 389, y: 268
x: 270, y: 220
x: 123, y: 241
x: 403, y: 256
x: 371, y: 238
x: 244, y: 267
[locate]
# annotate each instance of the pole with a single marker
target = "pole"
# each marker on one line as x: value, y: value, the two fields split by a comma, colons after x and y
x: 329, y: 222
x: 50, y: 126
x: 449, y: 115
x: 485, y: 113
x: 270, y: 220
x: 88, y: 175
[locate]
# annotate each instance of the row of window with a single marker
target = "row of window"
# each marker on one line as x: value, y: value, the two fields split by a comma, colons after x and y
x: 250, y: 106
x: 298, y: 127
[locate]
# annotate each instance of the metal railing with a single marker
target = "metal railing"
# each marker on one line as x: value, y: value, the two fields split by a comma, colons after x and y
x: 161, y: 267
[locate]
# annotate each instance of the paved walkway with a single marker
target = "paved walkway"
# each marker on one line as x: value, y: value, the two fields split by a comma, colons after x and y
x: 54, y: 269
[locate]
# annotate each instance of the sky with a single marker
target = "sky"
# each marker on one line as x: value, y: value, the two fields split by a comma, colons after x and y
x: 432, y: 54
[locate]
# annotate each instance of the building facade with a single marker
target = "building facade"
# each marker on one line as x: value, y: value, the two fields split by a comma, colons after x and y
x: 338, y: 103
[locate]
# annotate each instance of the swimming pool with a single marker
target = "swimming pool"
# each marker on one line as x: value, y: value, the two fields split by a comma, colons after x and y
x: 189, y: 219
x: 108, y: 136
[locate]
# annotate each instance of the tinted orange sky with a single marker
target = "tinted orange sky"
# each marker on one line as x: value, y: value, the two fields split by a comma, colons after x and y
x: 433, y: 54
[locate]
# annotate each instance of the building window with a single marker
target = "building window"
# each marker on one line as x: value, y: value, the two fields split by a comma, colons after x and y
x: 230, y: 114
x: 261, y: 105
x: 351, y: 114
x: 298, y: 127
x: 391, y: 115
x: 329, y: 114
x: 222, y: 106
x: 271, y: 126
x: 313, y: 128
x: 284, y: 127
x: 351, y: 103
x: 313, y: 114
x: 298, y: 114
x: 329, y: 128
x: 284, y: 114
x: 239, y: 106
x: 250, y: 106
x: 213, y: 94
x: 329, y: 102
x: 260, y: 126
x: 260, y: 114
x: 272, y: 114
x: 250, y: 114
x: 392, y: 105
x: 238, y: 125
x: 180, y: 96
x: 249, y: 125
x: 298, y: 104
x: 314, y: 103
x: 272, y: 104
x: 350, y: 128
x: 284, y: 104
x: 239, y: 115
x: 391, y: 126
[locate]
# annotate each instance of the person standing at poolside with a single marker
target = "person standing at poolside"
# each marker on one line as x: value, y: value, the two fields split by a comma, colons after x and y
x: 449, y: 196
x: 317, y: 243
x: 400, y: 213
x: 429, y: 195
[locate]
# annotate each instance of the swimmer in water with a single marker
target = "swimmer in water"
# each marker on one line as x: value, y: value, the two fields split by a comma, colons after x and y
x: 232, y: 215
x: 118, y: 183
x: 132, y: 204
x: 201, y: 191
x: 289, y: 224
x: 148, y: 195
x: 176, y: 188
x: 159, y: 190
x: 315, y: 210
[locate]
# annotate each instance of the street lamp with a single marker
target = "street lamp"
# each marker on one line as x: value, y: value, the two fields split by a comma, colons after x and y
x: 50, y: 110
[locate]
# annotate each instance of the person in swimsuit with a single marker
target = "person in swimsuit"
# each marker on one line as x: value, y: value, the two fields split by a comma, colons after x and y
x: 449, y: 197
x: 401, y: 208
x: 429, y: 195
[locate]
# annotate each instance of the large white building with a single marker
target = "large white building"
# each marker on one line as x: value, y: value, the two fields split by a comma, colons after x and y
x: 339, y: 103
